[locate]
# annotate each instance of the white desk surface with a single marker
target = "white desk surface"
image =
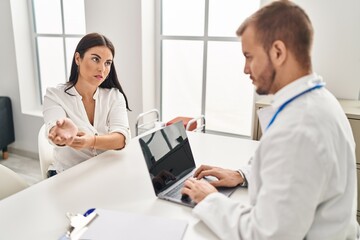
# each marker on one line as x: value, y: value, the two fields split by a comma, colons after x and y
x: 114, y: 180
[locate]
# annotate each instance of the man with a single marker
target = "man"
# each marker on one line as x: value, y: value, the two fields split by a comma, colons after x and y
x: 302, y: 181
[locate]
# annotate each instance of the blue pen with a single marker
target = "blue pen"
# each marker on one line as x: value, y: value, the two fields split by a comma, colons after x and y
x: 88, y: 212
x: 67, y: 235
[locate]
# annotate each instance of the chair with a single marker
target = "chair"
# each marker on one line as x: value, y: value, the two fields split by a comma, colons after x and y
x: 45, y: 152
x: 10, y: 182
x: 151, y: 119
x: 200, y: 124
x: 191, y: 124
x: 7, y: 134
x: 146, y: 121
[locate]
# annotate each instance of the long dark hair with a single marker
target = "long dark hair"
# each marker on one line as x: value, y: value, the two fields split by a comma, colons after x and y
x: 93, y: 40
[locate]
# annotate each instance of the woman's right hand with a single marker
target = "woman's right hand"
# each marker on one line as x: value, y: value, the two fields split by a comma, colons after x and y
x: 64, y: 132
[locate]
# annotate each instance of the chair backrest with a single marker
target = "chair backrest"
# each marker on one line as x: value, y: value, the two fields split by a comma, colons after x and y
x: 10, y: 182
x: 146, y: 121
x: 45, y: 152
x: 200, y: 124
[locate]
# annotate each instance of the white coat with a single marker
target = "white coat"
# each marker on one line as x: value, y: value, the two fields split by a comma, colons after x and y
x: 302, y: 183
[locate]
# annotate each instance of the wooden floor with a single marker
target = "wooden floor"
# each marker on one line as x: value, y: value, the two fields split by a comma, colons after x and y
x: 27, y: 168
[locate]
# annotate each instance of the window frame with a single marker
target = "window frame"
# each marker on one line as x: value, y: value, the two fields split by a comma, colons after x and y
x: 160, y: 37
x: 35, y: 49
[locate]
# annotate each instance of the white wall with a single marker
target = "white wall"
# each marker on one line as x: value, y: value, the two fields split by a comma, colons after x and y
x: 149, y: 86
x: 26, y: 126
x: 336, y: 53
x: 120, y: 21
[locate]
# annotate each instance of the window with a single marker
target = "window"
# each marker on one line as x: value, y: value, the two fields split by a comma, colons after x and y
x: 201, y: 63
x: 58, y: 25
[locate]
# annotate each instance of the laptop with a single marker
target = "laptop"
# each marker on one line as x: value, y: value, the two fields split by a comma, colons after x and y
x: 170, y: 162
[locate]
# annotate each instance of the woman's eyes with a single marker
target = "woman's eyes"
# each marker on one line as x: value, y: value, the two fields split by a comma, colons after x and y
x: 96, y: 59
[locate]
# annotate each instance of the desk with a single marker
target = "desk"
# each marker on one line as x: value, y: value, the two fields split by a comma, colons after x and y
x: 109, y: 181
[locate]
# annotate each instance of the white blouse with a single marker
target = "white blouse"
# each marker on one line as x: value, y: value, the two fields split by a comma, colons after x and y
x: 110, y: 116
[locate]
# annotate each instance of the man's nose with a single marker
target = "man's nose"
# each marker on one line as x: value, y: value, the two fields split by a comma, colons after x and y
x: 246, y: 69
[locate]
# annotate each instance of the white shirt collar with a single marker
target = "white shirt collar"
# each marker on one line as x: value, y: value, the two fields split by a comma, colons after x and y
x: 76, y: 93
x: 295, y: 88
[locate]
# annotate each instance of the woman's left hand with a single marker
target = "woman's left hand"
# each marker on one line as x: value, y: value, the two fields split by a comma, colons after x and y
x: 82, y: 140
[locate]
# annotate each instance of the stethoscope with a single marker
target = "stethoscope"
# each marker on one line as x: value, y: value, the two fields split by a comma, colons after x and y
x: 317, y: 86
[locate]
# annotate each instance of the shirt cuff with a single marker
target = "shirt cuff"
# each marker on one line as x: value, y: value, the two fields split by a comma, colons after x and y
x: 244, y: 184
x: 126, y: 133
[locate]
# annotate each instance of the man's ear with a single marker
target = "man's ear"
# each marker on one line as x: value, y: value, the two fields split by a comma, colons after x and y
x: 278, y: 53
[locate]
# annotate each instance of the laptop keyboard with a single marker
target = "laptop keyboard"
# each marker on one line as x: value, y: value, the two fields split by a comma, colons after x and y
x: 176, y: 191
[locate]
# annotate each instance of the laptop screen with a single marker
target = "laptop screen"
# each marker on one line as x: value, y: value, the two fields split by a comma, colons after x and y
x: 168, y: 155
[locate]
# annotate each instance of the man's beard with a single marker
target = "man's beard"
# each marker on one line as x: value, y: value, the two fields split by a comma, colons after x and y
x: 268, y: 78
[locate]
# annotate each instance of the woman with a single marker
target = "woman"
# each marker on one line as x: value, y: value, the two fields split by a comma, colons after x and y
x: 88, y: 114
